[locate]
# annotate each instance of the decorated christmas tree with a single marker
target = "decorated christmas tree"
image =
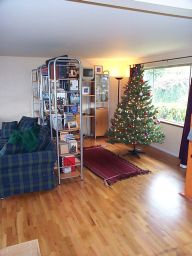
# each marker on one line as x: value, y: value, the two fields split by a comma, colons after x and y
x: 135, y: 119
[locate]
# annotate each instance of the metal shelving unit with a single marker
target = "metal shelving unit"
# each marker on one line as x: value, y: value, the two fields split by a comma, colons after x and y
x: 35, y: 93
x: 40, y: 87
x: 65, y: 114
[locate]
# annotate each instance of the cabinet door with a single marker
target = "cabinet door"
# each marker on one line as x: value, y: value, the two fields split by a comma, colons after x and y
x: 101, y: 121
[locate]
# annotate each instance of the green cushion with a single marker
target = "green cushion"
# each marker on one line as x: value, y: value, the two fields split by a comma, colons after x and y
x: 27, y: 138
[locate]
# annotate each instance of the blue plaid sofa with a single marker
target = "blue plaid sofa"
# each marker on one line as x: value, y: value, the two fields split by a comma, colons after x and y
x: 27, y: 171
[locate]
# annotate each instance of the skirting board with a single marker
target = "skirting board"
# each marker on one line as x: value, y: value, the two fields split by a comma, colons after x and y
x: 164, y: 150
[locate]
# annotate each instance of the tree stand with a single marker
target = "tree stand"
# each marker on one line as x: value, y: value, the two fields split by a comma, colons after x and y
x: 135, y: 151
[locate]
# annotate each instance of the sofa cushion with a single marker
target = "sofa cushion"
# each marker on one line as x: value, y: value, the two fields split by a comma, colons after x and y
x: 43, y: 138
x: 27, y: 122
x: 2, y: 142
x: 8, y: 128
x: 10, y: 149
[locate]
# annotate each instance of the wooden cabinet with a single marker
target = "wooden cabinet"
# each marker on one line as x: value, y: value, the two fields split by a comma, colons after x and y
x: 101, y: 121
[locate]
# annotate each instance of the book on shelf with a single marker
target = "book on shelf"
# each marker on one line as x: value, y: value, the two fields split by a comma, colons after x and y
x: 68, y: 117
x: 71, y: 109
x: 57, y: 122
x: 69, y: 137
x: 74, y: 98
x: 74, y: 85
x: 63, y: 135
x: 44, y: 71
x: 72, y: 146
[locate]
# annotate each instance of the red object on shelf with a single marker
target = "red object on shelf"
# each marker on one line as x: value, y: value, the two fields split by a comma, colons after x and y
x: 69, y: 161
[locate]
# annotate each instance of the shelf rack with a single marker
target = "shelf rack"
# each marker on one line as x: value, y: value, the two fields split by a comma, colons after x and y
x: 58, y: 76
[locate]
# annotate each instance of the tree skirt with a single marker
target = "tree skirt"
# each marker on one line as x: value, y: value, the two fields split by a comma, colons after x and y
x: 109, y: 166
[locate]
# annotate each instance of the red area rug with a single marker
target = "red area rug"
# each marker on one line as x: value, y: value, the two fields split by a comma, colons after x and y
x: 109, y: 166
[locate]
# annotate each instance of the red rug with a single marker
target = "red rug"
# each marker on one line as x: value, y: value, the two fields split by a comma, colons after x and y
x: 109, y: 166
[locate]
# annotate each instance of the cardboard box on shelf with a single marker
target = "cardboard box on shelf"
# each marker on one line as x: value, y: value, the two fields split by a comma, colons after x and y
x: 64, y: 148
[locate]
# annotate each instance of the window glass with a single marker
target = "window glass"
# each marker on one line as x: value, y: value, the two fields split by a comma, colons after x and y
x: 170, y: 88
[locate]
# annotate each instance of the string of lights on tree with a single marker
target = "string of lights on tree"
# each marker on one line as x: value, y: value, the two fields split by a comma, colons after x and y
x: 135, y: 119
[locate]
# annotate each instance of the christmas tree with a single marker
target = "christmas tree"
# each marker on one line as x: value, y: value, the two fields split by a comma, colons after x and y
x: 135, y: 119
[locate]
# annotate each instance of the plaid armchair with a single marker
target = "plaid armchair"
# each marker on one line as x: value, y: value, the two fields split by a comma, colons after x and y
x: 27, y: 172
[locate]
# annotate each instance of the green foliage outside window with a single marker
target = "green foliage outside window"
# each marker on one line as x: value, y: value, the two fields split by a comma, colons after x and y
x: 170, y: 88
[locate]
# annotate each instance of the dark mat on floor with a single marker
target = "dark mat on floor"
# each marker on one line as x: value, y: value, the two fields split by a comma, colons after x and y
x: 109, y: 166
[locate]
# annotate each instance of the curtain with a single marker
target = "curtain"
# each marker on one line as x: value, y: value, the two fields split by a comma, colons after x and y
x: 183, y: 153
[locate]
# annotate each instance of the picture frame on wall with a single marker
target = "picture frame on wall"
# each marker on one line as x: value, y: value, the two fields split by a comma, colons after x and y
x: 85, y: 90
x: 98, y: 69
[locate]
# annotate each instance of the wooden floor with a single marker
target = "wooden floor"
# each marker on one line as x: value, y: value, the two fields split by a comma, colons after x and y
x: 141, y: 216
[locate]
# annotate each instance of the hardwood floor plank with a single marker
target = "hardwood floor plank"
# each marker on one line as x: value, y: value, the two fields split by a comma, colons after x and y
x: 140, y: 216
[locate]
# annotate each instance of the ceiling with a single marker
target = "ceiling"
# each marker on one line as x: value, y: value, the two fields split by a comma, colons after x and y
x: 95, y: 29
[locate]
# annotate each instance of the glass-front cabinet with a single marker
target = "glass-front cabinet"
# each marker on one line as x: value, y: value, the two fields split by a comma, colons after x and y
x: 101, y: 121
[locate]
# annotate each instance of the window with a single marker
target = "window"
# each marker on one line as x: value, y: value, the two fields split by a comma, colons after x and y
x: 170, y: 88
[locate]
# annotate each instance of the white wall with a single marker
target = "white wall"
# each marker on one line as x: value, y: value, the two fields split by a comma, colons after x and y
x: 172, y: 142
x: 15, y: 86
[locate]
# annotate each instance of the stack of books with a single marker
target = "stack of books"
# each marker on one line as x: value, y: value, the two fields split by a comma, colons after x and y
x: 68, y: 143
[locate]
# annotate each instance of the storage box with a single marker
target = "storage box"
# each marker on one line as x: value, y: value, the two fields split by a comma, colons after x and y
x: 64, y: 148
x: 67, y: 169
x: 68, y: 161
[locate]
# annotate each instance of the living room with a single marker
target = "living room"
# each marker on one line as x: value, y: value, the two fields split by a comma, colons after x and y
x: 86, y: 217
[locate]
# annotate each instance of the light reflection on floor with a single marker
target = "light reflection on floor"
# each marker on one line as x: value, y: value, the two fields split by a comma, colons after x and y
x: 164, y: 195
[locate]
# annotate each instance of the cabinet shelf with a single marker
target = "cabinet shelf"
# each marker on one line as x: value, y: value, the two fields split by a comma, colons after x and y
x: 88, y: 95
x: 86, y: 116
x: 73, y: 174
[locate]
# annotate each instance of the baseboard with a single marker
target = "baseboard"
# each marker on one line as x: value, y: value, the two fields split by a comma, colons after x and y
x: 164, y: 150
